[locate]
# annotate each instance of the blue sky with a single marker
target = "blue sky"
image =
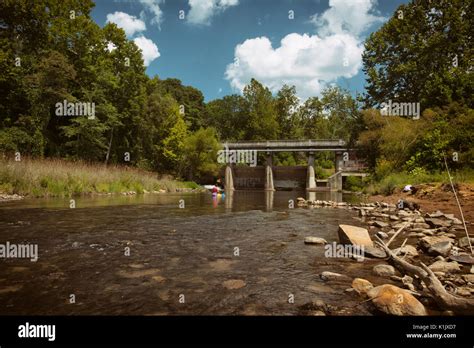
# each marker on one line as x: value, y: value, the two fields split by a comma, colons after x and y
x: 221, y: 44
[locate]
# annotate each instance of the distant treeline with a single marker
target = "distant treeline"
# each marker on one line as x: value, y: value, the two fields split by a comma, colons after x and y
x: 424, y: 56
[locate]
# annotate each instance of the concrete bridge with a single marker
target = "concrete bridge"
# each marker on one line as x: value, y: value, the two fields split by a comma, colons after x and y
x: 269, y: 177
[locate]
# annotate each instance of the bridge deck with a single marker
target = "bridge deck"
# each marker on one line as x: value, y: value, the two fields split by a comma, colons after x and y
x: 289, y: 145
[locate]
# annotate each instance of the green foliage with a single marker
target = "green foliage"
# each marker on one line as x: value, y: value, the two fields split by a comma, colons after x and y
x: 200, y: 153
x: 413, y: 57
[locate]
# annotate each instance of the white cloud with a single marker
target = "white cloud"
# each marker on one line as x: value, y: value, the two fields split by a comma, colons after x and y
x: 309, y: 62
x: 354, y: 16
x: 302, y: 60
x: 153, y: 6
x: 130, y: 24
x: 149, y: 49
x: 202, y: 11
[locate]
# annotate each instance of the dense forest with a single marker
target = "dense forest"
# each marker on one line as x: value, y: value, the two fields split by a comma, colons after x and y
x: 51, y: 51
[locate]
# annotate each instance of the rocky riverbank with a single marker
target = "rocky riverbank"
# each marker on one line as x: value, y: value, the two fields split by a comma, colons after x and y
x: 405, y: 238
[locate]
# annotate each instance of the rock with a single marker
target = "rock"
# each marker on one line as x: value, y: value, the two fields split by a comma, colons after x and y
x: 75, y: 245
x: 436, y: 214
x: 472, y: 269
x: 427, y: 242
x: 441, y: 248
x: 382, y: 235
x: 374, y: 252
x: 468, y: 278
x: 233, y: 284
x: 331, y: 276
x: 394, y: 218
x: 300, y: 199
x: 380, y: 224
x: 433, y: 222
x: 393, y: 300
x: 407, y: 249
x: 443, y: 266
x: 315, y: 240
x: 384, y: 270
x: 464, y: 242
x: 362, y: 286
x: 440, y: 258
x: 354, y: 235
x: 362, y: 213
x: 421, y: 225
x: 317, y: 313
x: 455, y: 220
x: 463, y: 291
x: 463, y: 258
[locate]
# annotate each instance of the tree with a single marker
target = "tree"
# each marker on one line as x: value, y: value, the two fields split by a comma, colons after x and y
x: 262, y: 123
x: 228, y: 116
x: 423, y: 54
x: 200, y: 151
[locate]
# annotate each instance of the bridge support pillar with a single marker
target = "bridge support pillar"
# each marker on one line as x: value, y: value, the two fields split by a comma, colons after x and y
x: 269, y: 179
x: 310, y: 177
x: 229, y: 180
x: 338, y: 161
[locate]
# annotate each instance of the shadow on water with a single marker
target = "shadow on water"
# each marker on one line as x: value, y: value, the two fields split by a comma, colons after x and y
x: 171, y: 254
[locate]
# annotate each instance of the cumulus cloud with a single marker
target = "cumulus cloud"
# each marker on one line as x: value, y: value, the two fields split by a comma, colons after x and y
x: 344, y: 16
x: 130, y: 24
x: 309, y: 62
x: 153, y: 7
x: 202, y: 11
x: 149, y: 49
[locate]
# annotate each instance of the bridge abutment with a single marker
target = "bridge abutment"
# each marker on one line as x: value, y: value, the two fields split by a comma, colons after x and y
x: 229, y: 180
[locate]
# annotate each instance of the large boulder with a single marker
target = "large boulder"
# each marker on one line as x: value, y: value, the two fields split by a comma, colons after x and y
x: 354, y: 235
x: 393, y: 300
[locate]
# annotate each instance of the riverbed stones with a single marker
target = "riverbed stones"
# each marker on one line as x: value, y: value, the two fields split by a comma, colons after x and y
x: 434, y: 222
x: 427, y: 242
x: 443, y: 266
x: 233, y: 284
x: 408, y: 250
x: 468, y: 278
x: 441, y: 248
x: 315, y: 241
x: 362, y: 286
x: 380, y: 224
x: 382, y: 235
x: 354, y: 235
x: 332, y: 276
x: 384, y: 270
x: 393, y: 300
x: 464, y: 242
x: 374, y: 252
x: 454, y: 220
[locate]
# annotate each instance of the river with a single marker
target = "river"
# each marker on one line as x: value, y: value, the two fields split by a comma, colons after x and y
x: 242, y: 254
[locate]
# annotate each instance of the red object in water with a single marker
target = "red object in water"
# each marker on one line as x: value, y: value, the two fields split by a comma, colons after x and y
x: 214, y: 189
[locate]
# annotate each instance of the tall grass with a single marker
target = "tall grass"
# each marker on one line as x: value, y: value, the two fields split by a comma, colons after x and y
x: 389, y: 183
x: 56, y: 177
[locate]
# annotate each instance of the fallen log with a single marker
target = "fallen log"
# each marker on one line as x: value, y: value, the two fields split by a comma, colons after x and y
x: 443, y: 299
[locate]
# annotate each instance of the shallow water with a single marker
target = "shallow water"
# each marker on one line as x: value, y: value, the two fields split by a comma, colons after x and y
x: 238, y: 254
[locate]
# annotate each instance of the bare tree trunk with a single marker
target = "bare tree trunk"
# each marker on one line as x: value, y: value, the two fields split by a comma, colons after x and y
x: 109, y: 147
